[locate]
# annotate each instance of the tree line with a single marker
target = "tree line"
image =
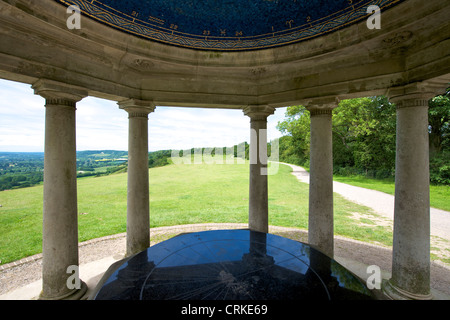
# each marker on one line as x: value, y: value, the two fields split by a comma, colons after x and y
x: 20, y: 170
x: 364, y: 137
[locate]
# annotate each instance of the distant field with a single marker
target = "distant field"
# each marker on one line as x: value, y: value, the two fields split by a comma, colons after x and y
x: 179, y: 194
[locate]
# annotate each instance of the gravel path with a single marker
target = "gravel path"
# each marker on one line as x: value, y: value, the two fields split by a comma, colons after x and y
x: 380, y: 202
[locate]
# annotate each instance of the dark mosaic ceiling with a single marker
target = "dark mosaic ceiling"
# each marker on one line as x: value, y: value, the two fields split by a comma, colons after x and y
x: 228, y: 25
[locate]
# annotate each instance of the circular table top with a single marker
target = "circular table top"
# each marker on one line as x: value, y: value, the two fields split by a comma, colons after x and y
x: 231, y: 265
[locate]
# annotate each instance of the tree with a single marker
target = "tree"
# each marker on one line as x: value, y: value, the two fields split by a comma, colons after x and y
x: 439, y: 123
x: 363, y: 136
x: 439, y: 129
x: 295, y: 148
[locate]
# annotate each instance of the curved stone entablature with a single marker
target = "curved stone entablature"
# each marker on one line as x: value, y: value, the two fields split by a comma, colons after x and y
x: 232, y: 25
x: 411, y: 46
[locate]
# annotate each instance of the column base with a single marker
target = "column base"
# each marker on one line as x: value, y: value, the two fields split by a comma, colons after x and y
x: 392, y: 292
x: 75, y: 294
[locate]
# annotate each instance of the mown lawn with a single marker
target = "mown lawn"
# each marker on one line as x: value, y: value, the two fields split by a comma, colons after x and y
x: 179, y: 194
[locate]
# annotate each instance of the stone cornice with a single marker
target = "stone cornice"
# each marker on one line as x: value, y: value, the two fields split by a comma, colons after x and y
x: 322, y: 106
x: 320, y: 112
x: 58, y: 93
x: 415, y: 94
x: 258, y: 113
x: 137, y: 108
x: 60, y: 102
x: 413, y: 102
x: 351, y: 62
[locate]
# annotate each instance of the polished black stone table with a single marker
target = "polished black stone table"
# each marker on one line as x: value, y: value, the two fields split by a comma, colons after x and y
x: 230, y: 265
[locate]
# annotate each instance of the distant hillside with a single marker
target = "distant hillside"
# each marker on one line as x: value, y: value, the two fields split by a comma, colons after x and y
x: 25, y: 169
x: 100, y: 162
x: 100, y: 154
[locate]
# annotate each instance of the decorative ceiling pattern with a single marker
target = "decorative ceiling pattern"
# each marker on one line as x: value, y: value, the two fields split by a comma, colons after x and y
x: 228, y: 25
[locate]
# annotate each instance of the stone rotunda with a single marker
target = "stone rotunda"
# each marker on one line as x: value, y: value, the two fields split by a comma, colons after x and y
x: 255, y: 56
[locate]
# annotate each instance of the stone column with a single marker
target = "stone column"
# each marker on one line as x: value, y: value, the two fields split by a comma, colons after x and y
x: 321, y: 225
x: 258, y: 219
x: 411, y: 241
x: 60, y: 211
x: 138, y: 211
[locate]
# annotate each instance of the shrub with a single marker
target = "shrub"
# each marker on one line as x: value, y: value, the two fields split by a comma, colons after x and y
x: 440, y: 168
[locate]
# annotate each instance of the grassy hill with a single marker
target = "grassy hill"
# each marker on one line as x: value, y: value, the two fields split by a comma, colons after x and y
x: 179, y: 194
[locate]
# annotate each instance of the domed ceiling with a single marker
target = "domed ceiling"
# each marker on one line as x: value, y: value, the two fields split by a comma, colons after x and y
x: 228, y: 25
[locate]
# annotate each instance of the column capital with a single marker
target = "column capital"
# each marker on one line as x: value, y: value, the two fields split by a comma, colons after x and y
x: 137, y: 108
x: 414, y: 94
x: 322, y: 106
x: 258, y: 112
x: 59, y: 93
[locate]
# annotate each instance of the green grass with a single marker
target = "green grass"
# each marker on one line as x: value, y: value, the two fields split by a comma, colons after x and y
x: 439, y: 195
x: 179, y: 194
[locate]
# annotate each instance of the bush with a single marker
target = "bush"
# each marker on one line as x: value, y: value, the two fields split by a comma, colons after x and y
x: 440, y: 168
x: 383, y: 174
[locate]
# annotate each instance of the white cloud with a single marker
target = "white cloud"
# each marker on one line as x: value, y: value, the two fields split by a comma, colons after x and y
x: 102, y: 125
x: 192, y: 127
x: 22, y: 117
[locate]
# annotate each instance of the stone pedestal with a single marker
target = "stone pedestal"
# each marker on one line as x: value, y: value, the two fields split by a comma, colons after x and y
x: 138, y: 211
x: 320, y: 225
x: 60, y: 220
x: 411, y: 245
x: 258, y: 194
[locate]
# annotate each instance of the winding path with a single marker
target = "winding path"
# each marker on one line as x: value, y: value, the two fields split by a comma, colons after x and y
x: 382, y: 203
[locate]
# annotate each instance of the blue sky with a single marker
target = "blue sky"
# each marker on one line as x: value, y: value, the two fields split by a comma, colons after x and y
x: 102, y: 125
